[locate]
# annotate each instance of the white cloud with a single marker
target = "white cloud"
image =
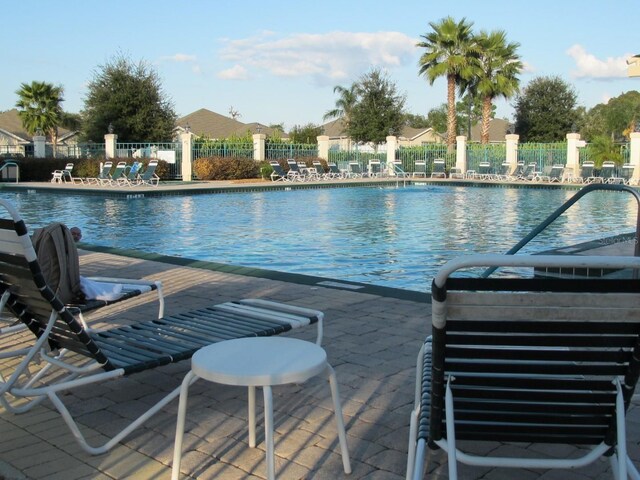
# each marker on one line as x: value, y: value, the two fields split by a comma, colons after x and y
x: 180, y: 57
x: 326, y: 58
x: 237, y: 72
x: 527, y: 67
x: 589, y: 66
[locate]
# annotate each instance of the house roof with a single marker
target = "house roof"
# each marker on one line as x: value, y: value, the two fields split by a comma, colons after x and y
x: 497, y: 130
x: 335, y: 128
x: 11, y: 124
x: 210, y: 124
x: 411, y: 133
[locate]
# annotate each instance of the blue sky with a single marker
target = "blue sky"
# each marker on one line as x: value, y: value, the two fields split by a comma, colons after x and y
x: 278, y: 61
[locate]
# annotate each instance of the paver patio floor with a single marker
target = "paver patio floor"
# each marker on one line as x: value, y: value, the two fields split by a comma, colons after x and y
x: 371, y: 341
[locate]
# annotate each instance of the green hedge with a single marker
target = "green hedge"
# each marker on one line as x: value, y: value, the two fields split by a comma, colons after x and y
x: 225, y: 168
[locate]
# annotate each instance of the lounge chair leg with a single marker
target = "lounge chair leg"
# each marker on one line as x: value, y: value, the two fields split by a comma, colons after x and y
x: 621, y: 449
x: 337, y: 411
x: 451, y: 433
x: 189, y: 379
x: 413, y: 434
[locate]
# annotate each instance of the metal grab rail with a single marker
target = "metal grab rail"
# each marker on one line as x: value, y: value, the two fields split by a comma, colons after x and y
x: 11, y: 164
x: 400, y: 173
x: 564, y: 207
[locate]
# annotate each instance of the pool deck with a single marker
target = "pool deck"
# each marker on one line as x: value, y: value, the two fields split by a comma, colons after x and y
x: 195, y: 187
x: 371, y: 340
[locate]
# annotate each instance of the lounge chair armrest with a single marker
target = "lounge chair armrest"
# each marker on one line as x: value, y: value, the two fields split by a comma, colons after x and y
x: 290, y: 309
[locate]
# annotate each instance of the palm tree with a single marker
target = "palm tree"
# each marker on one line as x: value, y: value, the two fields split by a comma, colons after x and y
x: 40, y: 108
x: 497, y: 68
x: 450, y: 50
x: 345, y: 103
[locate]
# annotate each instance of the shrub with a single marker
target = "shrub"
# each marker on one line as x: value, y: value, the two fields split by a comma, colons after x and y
x: 225, y: 168
x: 265, y: 170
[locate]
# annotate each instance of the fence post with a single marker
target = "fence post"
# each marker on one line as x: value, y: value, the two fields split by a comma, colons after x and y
x: 39, y: 149
x: 187, y: 156
x: 392, y: 146
x: 511, y: 145
x: 110, y: 141
x: 461, y: 153
x: 259, y: 140
x: 323, y: 147
x: 573, y: 154
x: 634, y: 156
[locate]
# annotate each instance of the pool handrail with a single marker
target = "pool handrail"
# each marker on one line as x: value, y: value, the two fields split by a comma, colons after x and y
x: 11, y: 163
x: 564, y: 207
x: 399, y: 173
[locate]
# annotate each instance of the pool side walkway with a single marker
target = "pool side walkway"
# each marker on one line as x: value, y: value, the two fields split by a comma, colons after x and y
x: 371, y: 340
x: 252, y: 185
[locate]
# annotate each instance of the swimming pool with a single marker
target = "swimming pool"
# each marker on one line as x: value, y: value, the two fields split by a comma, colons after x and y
x: 394, y: 237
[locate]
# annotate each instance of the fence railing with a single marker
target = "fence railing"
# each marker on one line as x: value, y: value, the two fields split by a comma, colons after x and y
x: 277, y: 151
x: 170, y: 152
x: 79, y: 150
x: 342, y: 158
x: 408, y: 156
x: 223, y: 149
x: 544, y: 155
x: 492, y: 153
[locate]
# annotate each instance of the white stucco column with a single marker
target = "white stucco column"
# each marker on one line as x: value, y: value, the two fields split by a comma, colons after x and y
x: 572, y: 168
x: 511, y: 147
x: 392, y: 146
x: 323, y: 147
x: 39, y: 149
x: 110, y: 141
x: 634, y: 156
x: 461, y: 153
x: 259, y: 140
x: 186, y: 164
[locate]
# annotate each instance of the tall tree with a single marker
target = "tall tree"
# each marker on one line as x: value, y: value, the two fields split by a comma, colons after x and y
x: 379, y: 110
x: 347, y: 98
x: 545, y: 110
x: 306, y: 134
x: 416, y: 121
x: 40, y: 108
x: 450, y: 51
x: 130, y: 97
x: 498, y: 66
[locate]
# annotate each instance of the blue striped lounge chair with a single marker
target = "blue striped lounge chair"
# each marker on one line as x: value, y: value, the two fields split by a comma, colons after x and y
x: 123, y: 350
x: 500, y: 367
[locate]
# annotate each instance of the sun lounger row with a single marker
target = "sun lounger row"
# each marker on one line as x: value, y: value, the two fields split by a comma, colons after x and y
x: 122, y: 175
x: 301, y: 172
x: 556, y: 173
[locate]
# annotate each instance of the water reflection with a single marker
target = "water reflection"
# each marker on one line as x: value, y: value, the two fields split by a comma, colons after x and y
x: 395, y: 237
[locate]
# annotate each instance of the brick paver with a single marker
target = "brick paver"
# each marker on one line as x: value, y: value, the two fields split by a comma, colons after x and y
x: 371, y: 341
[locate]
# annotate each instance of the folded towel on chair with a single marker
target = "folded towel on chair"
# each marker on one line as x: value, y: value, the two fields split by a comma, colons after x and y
x: 100, y: 290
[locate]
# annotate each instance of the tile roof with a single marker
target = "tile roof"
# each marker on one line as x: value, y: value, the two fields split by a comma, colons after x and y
x: 210, y: 124
x: 10, y: 122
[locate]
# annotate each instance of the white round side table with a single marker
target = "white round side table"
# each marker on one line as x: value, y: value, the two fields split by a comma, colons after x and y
x: 259, y: 362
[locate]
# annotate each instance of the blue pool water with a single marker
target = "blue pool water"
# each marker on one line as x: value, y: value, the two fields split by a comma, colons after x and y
x: 394, y: 237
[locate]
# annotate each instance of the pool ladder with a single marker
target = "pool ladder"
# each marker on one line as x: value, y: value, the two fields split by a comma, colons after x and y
x: 565, y: 206
x: 5, y: 165
x: 400, y: 174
